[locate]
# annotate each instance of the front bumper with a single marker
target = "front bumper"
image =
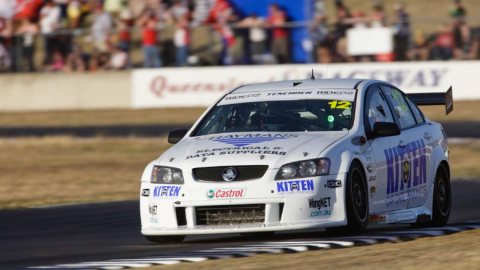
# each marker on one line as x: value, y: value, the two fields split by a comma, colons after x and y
x: 285, y: 206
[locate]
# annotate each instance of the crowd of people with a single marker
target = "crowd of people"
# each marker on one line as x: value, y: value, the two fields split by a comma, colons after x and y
x: 454, y: 38
x: 90, y: 35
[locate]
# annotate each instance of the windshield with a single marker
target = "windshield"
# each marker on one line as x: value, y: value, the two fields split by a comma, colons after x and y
x: 283, y: 115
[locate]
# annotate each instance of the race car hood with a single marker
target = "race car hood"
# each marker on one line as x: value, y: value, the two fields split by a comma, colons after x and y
x: 273, y: 149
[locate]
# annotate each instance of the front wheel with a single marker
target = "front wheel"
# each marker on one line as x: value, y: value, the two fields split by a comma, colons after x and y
x: 442, y: 197
x: 165, y: 239
x: 356, y: 202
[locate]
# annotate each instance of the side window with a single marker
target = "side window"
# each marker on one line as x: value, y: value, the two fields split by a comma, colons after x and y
x: 416, y: 112
x: 376, y: 109
x: 400, y: 107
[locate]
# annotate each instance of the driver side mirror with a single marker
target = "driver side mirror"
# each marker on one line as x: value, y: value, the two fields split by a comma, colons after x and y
x: 176, y: 135
x: 385, y: 129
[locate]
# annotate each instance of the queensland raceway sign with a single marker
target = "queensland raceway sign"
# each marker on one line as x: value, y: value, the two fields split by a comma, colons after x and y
x: 190, y: 87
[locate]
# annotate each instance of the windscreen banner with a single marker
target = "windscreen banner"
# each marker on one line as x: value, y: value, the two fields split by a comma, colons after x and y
x: 201, y: 86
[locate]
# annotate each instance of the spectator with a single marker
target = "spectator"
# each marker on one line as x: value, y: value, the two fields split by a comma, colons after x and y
x: 113, y: 6
x: 461, y: 31
x: 5, y: 61
x: 76, y: 60
x: 101, y: 28
x: 27, y: 32
x: 342, y: 18
x: 49, y: 22
x: 99, y: 61
x: 359, y: 20
x: 124, y: 36
x: 461, y: 39
x: 220, y: 16
x: 420, y: 50
x: 74, y: 13
x: 181, y: 41
x: 458, y: 11
x: 27, y: 9
x: 401, y: 38
x: 179, y: 10
x: 276, y: 20
x: 378, y: 17
x: 475, y: 49
x: 7, y: 11
x: 257, y: 36
x: 167, y: 40
x: 125, y: 27
x: 119, y: 59
x: 58, y: 63
x: 62, y: 4
x: 151, y: 54
x: 444, y: 43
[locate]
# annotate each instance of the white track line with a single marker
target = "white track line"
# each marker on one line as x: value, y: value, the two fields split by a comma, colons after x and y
x: 339, y: 243
x: 248, y: 250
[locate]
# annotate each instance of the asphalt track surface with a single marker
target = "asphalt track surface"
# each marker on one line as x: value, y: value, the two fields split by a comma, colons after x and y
x: 96, y: 232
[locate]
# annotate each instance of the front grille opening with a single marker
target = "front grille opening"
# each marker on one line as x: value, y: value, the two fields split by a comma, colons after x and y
x: 214, y: 174
x: 280, y: 211
x: 181, y: 217
x: 230, y: 214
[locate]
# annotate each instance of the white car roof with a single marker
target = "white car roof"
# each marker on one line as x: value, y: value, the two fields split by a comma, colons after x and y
x: 304, y: 84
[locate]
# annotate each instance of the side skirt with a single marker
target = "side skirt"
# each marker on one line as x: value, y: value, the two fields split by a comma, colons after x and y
x: 404, y: 216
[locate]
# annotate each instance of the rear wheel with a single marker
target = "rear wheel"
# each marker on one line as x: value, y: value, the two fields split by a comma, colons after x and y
x: 442, y: 197
x: 356, y: 202
x: 165, y: 239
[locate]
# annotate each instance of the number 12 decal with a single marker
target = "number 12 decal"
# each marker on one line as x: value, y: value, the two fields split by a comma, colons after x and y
x: 339, y: 104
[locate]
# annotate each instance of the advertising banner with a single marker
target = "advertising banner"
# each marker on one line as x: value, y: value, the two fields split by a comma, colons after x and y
x: 194, y: 87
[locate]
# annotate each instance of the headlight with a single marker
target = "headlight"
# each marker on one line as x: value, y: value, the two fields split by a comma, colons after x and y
x: 302, y: 169
x: 166, y: 175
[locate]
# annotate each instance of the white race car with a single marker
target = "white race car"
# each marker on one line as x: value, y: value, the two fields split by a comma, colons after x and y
x: 337, y: 154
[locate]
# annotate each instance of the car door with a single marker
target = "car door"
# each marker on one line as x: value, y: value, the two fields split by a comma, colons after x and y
x: 383, y: 148
x: 413, y: 153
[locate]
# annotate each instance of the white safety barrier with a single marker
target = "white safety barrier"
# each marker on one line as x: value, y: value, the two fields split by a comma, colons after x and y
x: 199, y: 87
x: 190, y: 87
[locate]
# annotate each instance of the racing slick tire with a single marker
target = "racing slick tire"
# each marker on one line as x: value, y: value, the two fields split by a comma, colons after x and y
x: 442, y: 197
x: 165, y: 239
x: 356, y: 202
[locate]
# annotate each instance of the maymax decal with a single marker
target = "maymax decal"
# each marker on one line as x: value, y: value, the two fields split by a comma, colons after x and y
x: 400, y: 174
x: 226, y: 193
x: 166, y: 191
x: 239, y: 140
x: 295, y: 186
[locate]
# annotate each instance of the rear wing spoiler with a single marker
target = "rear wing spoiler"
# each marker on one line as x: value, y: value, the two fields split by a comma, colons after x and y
x: 422, y: 99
